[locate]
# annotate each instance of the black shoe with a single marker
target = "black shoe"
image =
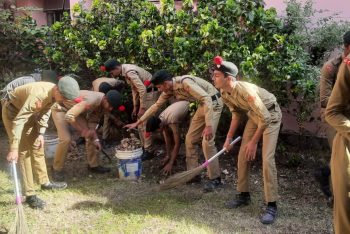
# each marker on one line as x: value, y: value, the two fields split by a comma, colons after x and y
x: 147, y: 156
x: 269, y: 216
x: 54, y: 185
x: 212, y: 184
x: 57, y: 175
x: 35, y: 203
x: 322, y: 177
x: 195, y: 180
x: 241, y: 200
x: 99, y: 169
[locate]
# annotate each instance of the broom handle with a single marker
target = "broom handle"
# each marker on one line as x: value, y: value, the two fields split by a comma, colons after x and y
x: 206, y: 163
x: 18, y: 195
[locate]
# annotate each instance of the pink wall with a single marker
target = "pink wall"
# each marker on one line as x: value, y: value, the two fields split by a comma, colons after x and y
x: 37, y: 13
x: 331, y: 6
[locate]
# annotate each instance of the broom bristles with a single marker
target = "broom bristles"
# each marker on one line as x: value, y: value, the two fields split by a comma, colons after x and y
x: 180, y: 178
x: 20, y: 226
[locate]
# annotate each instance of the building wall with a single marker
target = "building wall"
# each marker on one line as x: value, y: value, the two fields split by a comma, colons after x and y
x: 37, y: 13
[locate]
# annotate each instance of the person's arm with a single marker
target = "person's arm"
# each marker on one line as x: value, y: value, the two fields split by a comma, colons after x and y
x: 337, y: 111
x: 139, y: 88
x: 150, y: 111
x: 326, y: 83
x: 203, y: 97
x: 175, y: 150
x: 168, y: 143
x: 235, y: 120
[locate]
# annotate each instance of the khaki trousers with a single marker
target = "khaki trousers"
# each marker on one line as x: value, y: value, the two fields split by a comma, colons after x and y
x: 151, y: 98
x: 31, y: 160
x: 270, y: 137
x: 340, y: 167
x: 194, y: 135
x: 64, y: 136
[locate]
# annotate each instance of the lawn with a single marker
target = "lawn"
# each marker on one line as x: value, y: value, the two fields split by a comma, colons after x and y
x: 105, y: 204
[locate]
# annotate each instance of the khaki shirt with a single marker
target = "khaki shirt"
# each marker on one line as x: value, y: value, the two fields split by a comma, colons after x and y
x: 189, y: 88
x: 249, y: 99
x: 328, y: 77
x: 96, y: 83
x: 338, y: 108
x: 26, y: 101
x: 175, y: 113
x: 135, y: 76
x: 90, y: 108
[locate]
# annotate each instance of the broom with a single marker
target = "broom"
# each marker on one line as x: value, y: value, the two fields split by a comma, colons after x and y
x: 20, y: 226
x: 183, y: 177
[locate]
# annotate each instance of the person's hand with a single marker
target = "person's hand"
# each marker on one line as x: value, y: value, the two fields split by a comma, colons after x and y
x: 39, y: 142
x: 130, y: 126
x: 167, y: 169
x: 141, y: 112
x: 97, y: 144
x: 250, y: 150
x: 208, y: 133
x: 165, y: 160
x: 227, y: 145
x: 12, y: 156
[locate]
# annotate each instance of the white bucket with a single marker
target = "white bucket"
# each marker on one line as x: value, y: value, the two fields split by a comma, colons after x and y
x: 130, y: 164
x: 50, y: 146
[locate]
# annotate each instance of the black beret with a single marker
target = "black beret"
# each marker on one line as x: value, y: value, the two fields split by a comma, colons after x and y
x: 153, y: 124
x: 111, y: 64
x: 104, y: 87
x: 346, y: 38
x: 114, y: 98
x: 161, y: 76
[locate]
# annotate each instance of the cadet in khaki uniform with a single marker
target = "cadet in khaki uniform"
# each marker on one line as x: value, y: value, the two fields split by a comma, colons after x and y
x: 25, y: 114
x: 204, y: 121
x: 264, y: 119
x: 328, y: 77
x: 144, y: 94
x: 169, y: 121
x: 338, y: 116
x: 104, y: 85
x: 83, y: 116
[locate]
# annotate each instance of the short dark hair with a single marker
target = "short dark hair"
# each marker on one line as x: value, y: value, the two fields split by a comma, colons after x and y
x: 111, y: 64
x: 153, y: 124
x: 346, y: 38
x: 161, y: 76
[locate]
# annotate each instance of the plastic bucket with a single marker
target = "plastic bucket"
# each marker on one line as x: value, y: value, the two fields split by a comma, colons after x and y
x: 50, y: 146
x: 130, y: 164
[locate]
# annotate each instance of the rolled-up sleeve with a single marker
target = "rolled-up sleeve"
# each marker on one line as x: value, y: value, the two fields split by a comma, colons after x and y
x: 138, y: 87
x: 258, y: 108
x: 203, y: 97
x: 75, y: 111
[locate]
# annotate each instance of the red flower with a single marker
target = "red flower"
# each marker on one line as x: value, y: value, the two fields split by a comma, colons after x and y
x: 121, y: 108
x: 78, y: 99
x: 103, y: 68
x: 147, y: 134
x: 218, y: 60
x: 147, y: 83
